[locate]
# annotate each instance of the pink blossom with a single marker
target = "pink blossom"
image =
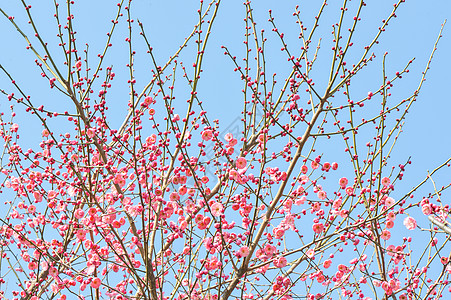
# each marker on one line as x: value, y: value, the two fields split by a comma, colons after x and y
x: 326, y: 166
x: 300, y: 201
x: 349, y: 190
x: 95, y: 283
x: 26, y: 257
x: 216, y: 209
x: 303, y: 179
x: 176, y: 118
x: 343, y: 182
x: 45, y: 133
x: 426, y: 209
x: 391, y: 216
x: 389, y: 223
x: 51, y: 194
x: 410, y: 223
x: 53, y: 272
x: 81, y: 235
x: 321, y: 195
x: 327, y: 263
x: 391, y: 250
x: 228, y: 137
x: 389, y: 201
x: 14, y: 127
x: 213, y: 263
x: 78, y: 64
x: 241, y: 163
x: 183, y: 225
x: 91, y: 132
x: 207, y: 135
x: 32, y: 265
x: 318, y: 227
x: 174, y: 196
x: 32, y: 209
x: 119, y: 180
x: 385, y: 235
x: 310, y: 253
x: 270, y: 249
x: 206, y: 221
x: 233, y: 142
x: 280, y: 262
x: 278, y: 232
x: 233, y: 174
x: 199, y: 218
x: 337, y: 204
x: 315, y: 165
x: 386, y: 287
x: 148, y: 100
x: 385, y: 181
x: 243, y: 252
x: 71, y: 191
x: 79, y: 213
x: 150, y: 140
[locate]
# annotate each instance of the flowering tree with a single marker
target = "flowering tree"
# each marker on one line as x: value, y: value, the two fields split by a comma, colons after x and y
x: 168, y: 204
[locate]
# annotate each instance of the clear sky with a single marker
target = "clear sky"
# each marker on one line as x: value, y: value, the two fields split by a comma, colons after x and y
x: 426, y: 136
x: 412, y: 34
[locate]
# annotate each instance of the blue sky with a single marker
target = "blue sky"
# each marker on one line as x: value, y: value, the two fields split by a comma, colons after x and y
x: 411, y: 35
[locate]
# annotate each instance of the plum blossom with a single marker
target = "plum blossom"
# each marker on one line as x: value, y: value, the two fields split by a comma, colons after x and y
x: 32, y: 209
x: 389, y: 201
x: 216, y: 209
x: 318, y: 227
x: 207, y: 135
x: 426, y: 209
x: 321, y: 195
x: 385, y: 181
x: 410, y: 223
x: 228, y: 137
x: 45, y: 133
x: 310, y: 253
x: 278, y: 232
x: 349, y: 190
x: 213, y: 263
x: 78, y: 65
x: 343, y: 182
x: 327, y: 263
x: 95, y: 283
x: 280, y: 262
x: 385, y: 235
x: 243, y: 252
x: 389, y: 223
x: 53, y: 272
x: 32, y: 265
x: 315, y: 165
x: 270, y: 249
x: 241, y: 163
x: 14, y: 127
x: 51, y: 194
x: 148, y: 100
